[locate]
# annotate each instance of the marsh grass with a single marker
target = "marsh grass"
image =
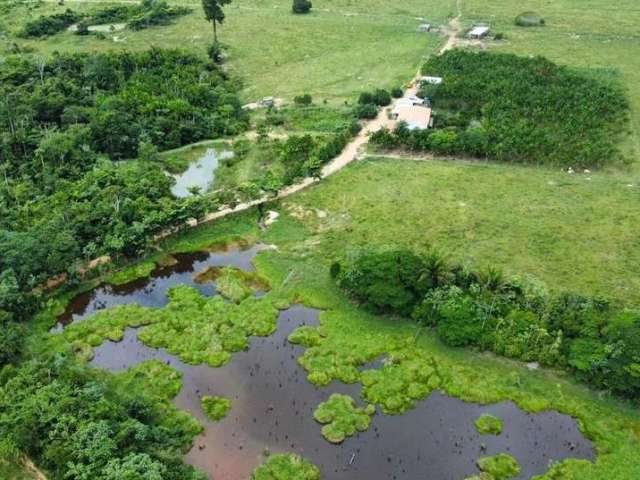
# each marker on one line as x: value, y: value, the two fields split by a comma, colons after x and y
x: 341, y: 418
x: 499, y: 467
x: 488, y: 424
x: 192, y: 327
x: 216, y: 408
x: 286, y: 466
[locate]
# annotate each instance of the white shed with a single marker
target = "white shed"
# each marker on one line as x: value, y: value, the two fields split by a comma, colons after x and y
x: 431, y: 80
x: 479, y: 32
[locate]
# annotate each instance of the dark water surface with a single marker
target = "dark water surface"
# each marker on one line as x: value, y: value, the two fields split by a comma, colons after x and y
x: 273, y: 403
x: 152, y: 291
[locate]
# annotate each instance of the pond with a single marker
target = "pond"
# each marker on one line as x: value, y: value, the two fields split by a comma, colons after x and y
x: 152, y: 291
x: 200, y: 173
x: 273, y: 403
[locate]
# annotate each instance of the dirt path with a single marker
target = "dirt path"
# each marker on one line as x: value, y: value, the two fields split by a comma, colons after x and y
x: 354, y: 149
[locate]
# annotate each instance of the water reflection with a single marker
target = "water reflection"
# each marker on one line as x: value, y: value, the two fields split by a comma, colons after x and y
x: 152, y: 291
x: 272, y: 409
x: 200, y: 174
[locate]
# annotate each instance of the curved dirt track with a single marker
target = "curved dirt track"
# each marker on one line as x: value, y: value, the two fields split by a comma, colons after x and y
x: 354, y: 148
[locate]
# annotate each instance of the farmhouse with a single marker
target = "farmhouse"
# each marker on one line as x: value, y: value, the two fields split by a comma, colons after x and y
x: 479, y: 32
x: 417, y: 116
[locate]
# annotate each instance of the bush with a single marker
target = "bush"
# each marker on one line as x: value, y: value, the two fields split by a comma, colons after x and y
x: 301, y: 6
x: 214, y: 51
x: 367, y: 111
x: 50, y: 25
x: 383, y: 280
x: 397, y: 92
x: 303, y: 100
x: 380, y: 97
x: 529, y: 19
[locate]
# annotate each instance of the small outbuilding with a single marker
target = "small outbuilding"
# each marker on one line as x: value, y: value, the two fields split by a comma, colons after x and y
x: 431, y: 80
x: 479, y: 31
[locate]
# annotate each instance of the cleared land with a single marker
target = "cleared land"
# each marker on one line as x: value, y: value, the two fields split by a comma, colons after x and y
x: 574, y: 232
x: 334, y: 53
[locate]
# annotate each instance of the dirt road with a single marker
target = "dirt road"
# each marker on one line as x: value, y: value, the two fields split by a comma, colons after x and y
x: 354, y: 149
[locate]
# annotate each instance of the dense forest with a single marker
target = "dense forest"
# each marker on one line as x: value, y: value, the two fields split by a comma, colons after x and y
x: 68, y: 126
x: 80, y: 425
x: 517, y: 109
x: 517, y: 318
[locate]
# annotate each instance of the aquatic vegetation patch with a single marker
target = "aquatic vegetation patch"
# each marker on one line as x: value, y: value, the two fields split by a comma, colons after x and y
x: 487, y: 424
x: 107, y: 324
x: 132, y: 272
x: 500, y: 467
x: 306, y: 336
x: 233, y: 283
x: 286, y: 467
x: 216, y: 408
x: 155, y: 377
x: 342, y: 418
x: 194, y: 328
x: 406, y: 377
x: 338, y: 357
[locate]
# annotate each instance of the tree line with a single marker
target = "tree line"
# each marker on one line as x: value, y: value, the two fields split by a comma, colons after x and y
x: 598, y: 341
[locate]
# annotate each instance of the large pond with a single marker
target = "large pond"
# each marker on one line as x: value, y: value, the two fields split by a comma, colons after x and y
x: 273, y: 404
x: 200, y: 173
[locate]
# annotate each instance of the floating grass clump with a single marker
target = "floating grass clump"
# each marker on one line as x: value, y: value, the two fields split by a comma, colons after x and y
x: 487, y: 424
x: 306, y: 336
x: 195, y: 328
x: 499, y: 467
x: 233, y: 283
x: 286, y: 467
x: 216, y: 408
x: 157, y: 378
x: 406, y: 377
x: 342, y: 418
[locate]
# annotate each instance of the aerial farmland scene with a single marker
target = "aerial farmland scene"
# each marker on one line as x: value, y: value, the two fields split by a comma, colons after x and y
x: 319, y: 240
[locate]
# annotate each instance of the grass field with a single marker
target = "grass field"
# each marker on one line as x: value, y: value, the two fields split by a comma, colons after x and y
x: 575, y: 232
x: 340, y: 49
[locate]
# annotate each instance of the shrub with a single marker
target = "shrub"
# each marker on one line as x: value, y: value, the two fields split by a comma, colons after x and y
x: 303, y: 100
x: 367, y: 111
x: 397, y: 92
x: 529, y: 19
x: 384, y: 280
x: 382, y: 98
x: 301, y: 6
x: 50, y: 25
x: 214, y: 51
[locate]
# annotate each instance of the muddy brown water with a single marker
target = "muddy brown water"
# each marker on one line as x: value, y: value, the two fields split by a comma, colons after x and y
x: 273, y: 404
